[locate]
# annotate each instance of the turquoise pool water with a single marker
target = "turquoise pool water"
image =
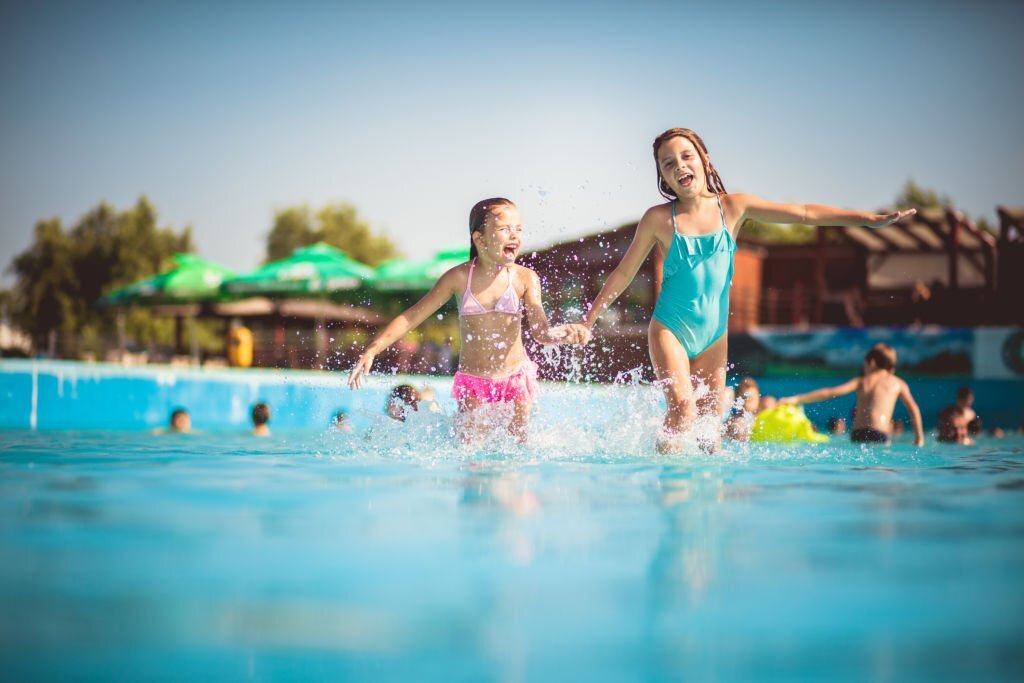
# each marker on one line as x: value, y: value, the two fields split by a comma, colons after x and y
x: 400, y: 557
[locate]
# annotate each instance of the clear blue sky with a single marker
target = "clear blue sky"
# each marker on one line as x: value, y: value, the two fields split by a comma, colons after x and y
x: 223, y: 112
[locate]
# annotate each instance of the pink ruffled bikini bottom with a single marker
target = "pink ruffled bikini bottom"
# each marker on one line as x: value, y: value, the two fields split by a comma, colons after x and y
x: 518, y: 387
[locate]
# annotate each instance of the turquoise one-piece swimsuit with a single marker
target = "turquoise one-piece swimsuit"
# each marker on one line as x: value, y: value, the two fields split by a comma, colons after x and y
x: 694, y: 299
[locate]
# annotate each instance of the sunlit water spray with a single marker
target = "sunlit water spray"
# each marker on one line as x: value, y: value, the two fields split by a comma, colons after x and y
x: 578, y: 422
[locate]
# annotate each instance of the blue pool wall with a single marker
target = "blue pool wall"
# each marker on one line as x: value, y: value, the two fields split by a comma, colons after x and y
x: 54, y: 395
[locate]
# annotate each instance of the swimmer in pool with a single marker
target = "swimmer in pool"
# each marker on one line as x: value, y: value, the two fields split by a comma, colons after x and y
x: 741, y: 416
x: 493, y: 292
x: 877, y: 390
x: 260, y: 418
x: 696, y: 229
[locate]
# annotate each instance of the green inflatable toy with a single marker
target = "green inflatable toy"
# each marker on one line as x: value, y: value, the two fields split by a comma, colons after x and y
x: 785, y: 424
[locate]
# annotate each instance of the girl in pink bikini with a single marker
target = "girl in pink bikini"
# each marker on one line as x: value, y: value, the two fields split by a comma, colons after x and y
x: 493, y: 292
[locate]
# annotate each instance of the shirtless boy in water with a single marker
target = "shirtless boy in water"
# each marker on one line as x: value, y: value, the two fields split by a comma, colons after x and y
x: 877, y: 390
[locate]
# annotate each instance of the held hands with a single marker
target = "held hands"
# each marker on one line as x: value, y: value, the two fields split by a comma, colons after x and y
x: 362, y: 367
x: 569, y: 334
x: 884, y: 219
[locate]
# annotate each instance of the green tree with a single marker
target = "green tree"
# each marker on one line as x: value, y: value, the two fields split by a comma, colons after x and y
x: 779, y: 234
x: 913, y: 196
x: 336, y: 224
x: 45, y: 290
x: 60, y: 277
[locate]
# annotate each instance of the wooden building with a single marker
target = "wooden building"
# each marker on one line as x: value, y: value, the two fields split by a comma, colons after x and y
x: 934, y: 268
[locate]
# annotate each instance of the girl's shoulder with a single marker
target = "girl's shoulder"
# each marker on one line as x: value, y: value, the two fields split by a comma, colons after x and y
x: 460, y: 270
x: 738, y: 201
x: 658, y: 211
x: 456, y: 276
x: 656, y: 218
x: 523, y: 273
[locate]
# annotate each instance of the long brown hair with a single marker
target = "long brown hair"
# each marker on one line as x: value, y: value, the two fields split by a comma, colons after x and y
x: 714, y: 181
x: 478, y: 216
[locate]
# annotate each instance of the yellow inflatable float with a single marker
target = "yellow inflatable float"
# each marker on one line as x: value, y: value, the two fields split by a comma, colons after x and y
x: 785, y: 424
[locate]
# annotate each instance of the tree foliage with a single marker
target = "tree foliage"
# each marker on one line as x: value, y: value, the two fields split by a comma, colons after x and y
x: 913, y: 196
x: 63, y: 273
x: 778, y: 234
x: 336, y: 224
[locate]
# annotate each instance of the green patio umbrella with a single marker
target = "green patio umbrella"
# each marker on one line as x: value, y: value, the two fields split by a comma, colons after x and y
x: 312, y: 270
x: 192, y: 279
x: 418, y: 275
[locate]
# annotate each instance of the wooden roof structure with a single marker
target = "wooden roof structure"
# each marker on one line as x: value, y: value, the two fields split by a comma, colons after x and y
x: 931, y: 231
x: 1011, y: 223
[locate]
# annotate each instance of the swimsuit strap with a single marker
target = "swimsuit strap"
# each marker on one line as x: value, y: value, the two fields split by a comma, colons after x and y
x: 468, y: 300
x: 674, y: 230
x: 718, y: 196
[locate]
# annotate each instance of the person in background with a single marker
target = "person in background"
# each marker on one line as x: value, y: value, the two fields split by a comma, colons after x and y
x: 951, y: 426
x: 997, y: 433
x: 402, y: 399
x: 837, y: 426
x: 767, y: 403
x: 741, y: 416
x: 340, y: 422
x: 877, y: 390
x: 965, y: 399
x: 180, y: 422
x: 260, y: 418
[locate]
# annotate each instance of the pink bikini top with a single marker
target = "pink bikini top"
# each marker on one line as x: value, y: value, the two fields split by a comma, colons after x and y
x: 507, y: 303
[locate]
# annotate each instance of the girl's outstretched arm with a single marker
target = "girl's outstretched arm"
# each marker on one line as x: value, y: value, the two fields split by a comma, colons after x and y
x: 749, y: 206
x: 643, y: 241
x: 822, y: 394
x: 538, y: 324
x: 406, y: 320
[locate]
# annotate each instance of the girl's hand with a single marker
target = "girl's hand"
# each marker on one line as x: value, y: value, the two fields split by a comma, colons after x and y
x: 560, y: 334
x: 362, y: 367
x: 919, y: 440
x: 885, y: 219
x: 569, y: 334
x: 583, y: 333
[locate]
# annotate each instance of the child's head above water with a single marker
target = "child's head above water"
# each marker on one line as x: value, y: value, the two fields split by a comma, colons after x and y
x: 401, y: 400
x: 880, y: 357
x: 495, y: 230
x: 260, y: 414
x: 684, y: 165
x: 181, y: 421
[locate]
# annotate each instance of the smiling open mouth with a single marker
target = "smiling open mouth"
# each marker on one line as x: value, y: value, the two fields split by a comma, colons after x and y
x: 511, y: 249
x: 686, y: 180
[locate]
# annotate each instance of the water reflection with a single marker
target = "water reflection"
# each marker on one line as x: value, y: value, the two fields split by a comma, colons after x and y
x: 685, y: 564
x: 510, y: 495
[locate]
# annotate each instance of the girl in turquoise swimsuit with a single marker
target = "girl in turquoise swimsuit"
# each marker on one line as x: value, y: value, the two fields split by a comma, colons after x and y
x: 696, y: 230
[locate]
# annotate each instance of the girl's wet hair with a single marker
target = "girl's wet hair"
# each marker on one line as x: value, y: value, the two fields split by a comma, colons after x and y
x: 478, y: 216
x: 714, y: 181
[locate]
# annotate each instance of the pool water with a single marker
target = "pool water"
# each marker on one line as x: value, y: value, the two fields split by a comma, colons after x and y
x: 395, y: 555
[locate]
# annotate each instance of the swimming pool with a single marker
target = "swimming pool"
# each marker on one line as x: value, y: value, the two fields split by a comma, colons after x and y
x: 398, y: 557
